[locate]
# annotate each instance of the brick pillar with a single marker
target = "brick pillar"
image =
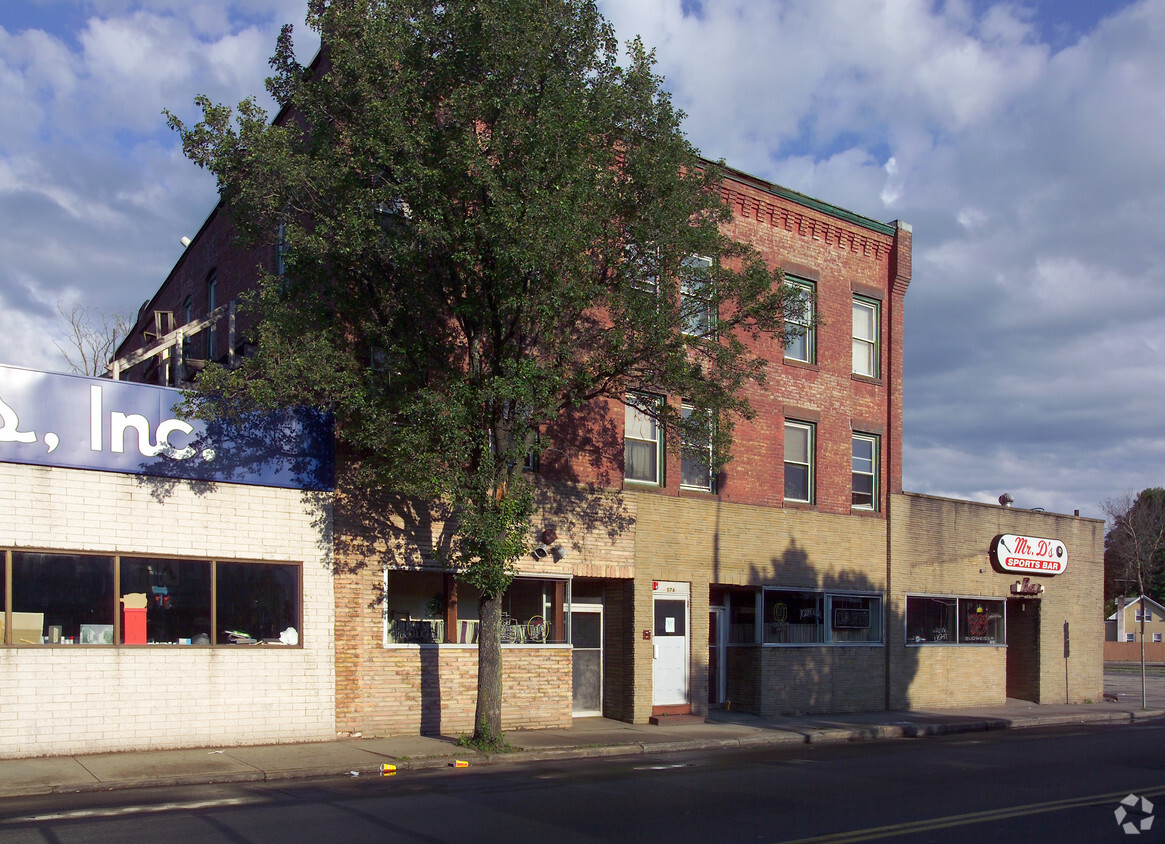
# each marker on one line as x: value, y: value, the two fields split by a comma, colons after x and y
x: 900, y: 266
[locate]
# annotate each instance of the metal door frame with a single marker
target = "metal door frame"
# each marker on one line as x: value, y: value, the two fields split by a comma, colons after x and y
x: 590, y: 608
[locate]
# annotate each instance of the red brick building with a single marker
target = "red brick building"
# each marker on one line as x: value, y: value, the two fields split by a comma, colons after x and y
x: 799, y: 579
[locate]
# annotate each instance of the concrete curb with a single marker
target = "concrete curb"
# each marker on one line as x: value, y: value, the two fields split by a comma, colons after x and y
x: 759, y: 738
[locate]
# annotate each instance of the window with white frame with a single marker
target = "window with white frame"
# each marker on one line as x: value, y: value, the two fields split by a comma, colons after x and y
x: 865, y: 337
x: 1148, y: 615
x: 802, y: 345
x: 642, y: 441
x: 799, y: 461
x: 419, y: 604
x: 1156, y: 637
x: 696, y: 449
x: 952, y: 620
x: 695, y: 299
x: 1130, y: 637
x: 641, y: 265
x: 865, y: 472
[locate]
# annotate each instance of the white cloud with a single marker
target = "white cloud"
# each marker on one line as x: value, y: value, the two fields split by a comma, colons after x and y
x: 94, y: 192
x: 1033, y: 173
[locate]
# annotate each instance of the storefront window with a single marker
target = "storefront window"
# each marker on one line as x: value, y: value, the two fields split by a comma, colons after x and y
x: 177, y: 600
x: 532, y: 612
x: 951, y: 621
x: 855, y: 618
x: 800, y: 617
x: 742, y: 618
x: 61, y: 599
x: 417, y: 611
x: 980, y: 622
x: 71, y: 599
x: 792, y: 618
x: 257, y: 602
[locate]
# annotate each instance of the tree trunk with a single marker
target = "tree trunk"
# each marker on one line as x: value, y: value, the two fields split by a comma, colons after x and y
x: 488, y: 718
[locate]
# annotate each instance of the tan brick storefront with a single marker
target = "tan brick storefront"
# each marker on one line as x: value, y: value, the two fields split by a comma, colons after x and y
x: 940, y: 547
x: 927, y: 547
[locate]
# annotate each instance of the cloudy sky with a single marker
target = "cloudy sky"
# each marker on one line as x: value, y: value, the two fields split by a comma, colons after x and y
x: 1025, y: 143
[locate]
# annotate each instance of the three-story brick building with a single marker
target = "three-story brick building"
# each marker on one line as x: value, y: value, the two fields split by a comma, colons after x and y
x: 798, y: 579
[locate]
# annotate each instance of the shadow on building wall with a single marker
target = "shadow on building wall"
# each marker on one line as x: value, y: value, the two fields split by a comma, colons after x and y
x: 831, y: 640
x: 364, y: 530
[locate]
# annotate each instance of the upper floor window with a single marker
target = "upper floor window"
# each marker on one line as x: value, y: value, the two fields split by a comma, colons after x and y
x: 281, y: 250
x: 802, y: 345
x: 1148, y: 615
x: 865, y: 336
x: 799, y: 461
x: 642, y: 443
x: 211, y: 304
x: 695, y: 298
x: 641, y: 265
x: 865, y: 472
x: 696, y: 456
x: 187, y: 310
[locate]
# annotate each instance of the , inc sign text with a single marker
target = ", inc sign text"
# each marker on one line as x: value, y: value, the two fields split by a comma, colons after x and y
x: 52, y: 419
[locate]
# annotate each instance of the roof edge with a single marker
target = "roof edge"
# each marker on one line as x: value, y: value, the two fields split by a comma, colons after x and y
x: 888, y: 229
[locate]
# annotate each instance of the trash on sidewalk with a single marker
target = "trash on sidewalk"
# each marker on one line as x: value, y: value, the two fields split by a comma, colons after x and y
x: 387, y: 770
x: 459, y: 763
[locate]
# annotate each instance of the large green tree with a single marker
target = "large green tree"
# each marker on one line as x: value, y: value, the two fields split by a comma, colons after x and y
x: 485, y: 212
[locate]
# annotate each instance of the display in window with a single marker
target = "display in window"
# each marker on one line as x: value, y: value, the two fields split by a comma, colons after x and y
x: 793, y: 618
x: 174, y: 604
x: 63, y: 591
x: 954, y: 621
x: 420, y: 604
x: 258, y: 602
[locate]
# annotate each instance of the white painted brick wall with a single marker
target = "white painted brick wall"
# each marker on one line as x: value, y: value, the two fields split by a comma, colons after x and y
x: 70, y: 700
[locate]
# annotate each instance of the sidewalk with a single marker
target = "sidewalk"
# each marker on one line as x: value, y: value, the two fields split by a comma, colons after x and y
x: 588, y: 737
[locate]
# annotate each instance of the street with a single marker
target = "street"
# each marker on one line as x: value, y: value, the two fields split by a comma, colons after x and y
x: 1057, y: 784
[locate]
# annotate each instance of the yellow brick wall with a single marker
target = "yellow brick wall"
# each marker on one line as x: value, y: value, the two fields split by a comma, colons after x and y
x: 702, y: 541
x: 941, y: 547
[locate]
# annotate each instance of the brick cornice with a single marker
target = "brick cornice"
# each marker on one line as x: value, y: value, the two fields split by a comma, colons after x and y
x: 804, y: 223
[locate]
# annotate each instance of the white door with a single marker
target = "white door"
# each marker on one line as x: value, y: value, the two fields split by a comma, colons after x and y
x: 670, y: 666
x: 586, y: 636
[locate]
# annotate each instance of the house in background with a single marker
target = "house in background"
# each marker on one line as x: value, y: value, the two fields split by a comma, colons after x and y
x: 1124, y: 625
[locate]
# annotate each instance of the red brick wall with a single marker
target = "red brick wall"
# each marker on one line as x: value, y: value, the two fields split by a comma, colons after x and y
x: 840, y: 256
x: 236, y: 271
x: 843, y: 259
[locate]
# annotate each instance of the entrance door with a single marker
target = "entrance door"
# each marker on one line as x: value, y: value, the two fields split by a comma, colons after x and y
x: 717, y: 671
x: 670, y: 666
x: 586, y: 634
x: 1023, y: 649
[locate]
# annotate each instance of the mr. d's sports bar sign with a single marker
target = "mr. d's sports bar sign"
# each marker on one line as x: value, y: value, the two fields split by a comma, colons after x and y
x: 1029, y: 554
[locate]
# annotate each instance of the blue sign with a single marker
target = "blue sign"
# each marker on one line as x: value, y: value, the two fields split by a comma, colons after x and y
x: 52, y: 419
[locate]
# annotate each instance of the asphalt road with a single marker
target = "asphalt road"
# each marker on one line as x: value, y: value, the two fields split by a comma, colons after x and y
x: 1056, y: 784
